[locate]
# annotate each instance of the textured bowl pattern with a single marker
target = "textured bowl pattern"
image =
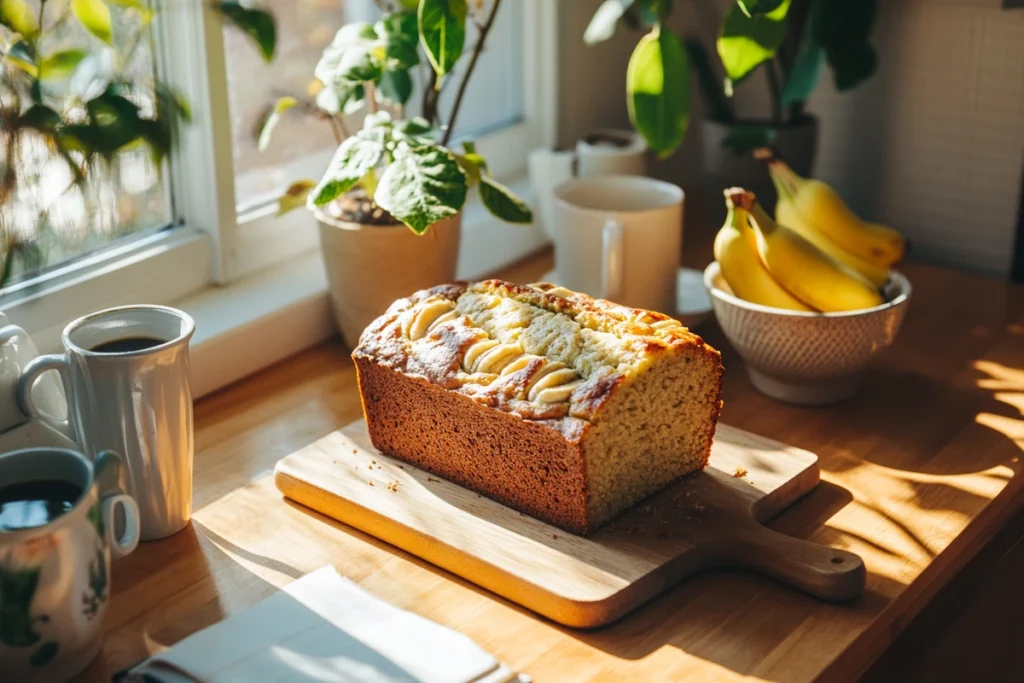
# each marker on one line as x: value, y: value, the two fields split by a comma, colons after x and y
x: 806, y: 358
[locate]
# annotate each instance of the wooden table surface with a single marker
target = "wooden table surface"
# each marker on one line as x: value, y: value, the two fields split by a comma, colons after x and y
x: 919, y: 470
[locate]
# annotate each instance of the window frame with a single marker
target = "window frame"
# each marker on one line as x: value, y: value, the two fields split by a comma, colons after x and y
x: 211, y: 244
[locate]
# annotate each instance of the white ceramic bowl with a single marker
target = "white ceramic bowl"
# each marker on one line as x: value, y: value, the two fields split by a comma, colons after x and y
x: 806, y: 358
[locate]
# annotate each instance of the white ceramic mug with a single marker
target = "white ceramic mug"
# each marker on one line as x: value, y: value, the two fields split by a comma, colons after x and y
x: 620, y: 238
x: 604, y: 152
x: 55, y: 578
x: 136, y: 403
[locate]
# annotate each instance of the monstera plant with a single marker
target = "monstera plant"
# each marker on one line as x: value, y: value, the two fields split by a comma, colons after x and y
x: 790, y: 40
x: 67, y: 85
x: 402, y: 166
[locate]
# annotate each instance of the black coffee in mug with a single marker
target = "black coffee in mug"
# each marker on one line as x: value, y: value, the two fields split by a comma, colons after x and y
x: 30, y: 504
x: 127, y: 345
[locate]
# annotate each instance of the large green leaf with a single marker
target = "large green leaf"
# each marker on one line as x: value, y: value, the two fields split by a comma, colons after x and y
x: 60, y: 65
x: 354, y: 159
x: 422, y: 186
x: 746, y: 42
x: 18, y: 16
x: 396, y: 86
x: 804, y: 76
x: 503, y: 203
x: 257, y: 23
x: 658, y: 90
x: 282, y: 105
x: 94, y: 15
x: 606, y: 18
x: 843, y: 29
x: 442, y: 25
x: 401, y: 38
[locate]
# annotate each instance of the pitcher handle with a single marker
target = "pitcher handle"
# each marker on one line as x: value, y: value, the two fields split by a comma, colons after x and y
x: 27, y: 380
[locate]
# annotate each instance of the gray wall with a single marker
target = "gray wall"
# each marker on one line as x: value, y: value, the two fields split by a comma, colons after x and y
x: 932, y: 145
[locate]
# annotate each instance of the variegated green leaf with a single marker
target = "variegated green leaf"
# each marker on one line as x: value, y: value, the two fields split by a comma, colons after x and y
x: 422, y: 186
x: 354, y: 158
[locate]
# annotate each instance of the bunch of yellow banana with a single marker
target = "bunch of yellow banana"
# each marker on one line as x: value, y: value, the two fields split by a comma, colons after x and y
x: 814, y: 210
x: 769, y: 264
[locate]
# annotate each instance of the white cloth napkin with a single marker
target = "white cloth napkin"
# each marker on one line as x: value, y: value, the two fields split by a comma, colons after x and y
x: 321, y: 628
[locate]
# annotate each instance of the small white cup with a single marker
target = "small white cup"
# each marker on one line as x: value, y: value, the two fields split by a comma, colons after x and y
x: 620, y: 238
x: 611, y: 152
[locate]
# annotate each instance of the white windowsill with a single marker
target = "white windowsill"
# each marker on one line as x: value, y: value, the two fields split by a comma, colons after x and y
x: 275, y: 313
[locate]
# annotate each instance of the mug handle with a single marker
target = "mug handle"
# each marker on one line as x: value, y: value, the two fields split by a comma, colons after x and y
x: 36, y: 367
x: 611, y: 260
x: 119, y: 547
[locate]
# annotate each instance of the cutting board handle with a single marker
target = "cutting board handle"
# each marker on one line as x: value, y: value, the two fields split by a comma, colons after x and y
x: 824, y: 572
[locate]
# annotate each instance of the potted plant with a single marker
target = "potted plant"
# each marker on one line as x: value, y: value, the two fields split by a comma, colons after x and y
x: 790, y: 40
x: 388, y: 205
x: 80, y: 101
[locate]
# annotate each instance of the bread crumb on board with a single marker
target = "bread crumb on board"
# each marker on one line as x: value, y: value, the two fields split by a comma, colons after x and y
x: 739, y: 473
x: 393, y: 486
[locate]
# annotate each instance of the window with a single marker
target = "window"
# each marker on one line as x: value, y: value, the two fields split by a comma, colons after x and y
x: 217, y: 191
x: 50, y: 218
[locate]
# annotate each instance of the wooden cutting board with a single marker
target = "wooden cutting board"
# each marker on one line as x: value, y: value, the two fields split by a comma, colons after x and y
x: 711, y: 519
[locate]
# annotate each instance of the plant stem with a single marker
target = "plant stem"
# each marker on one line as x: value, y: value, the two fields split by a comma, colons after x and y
x: 336, y: 130
x: 371, y: 97
x: 429, y: 110
x: 776, y: 91
x: 340, y: 120
x: 484, y: 30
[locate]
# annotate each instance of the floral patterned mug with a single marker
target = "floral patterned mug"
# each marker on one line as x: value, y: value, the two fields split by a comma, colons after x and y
x: 55, y: 578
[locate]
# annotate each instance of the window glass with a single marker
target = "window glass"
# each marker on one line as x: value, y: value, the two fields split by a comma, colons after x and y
x: 302, y: 144
x: 45, y: 216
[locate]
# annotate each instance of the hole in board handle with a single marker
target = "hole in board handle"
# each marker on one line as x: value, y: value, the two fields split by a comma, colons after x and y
x: 837, y: 560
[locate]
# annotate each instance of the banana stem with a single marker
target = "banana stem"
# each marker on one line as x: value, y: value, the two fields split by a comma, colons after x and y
x: 763, y: 220
x: 737, y: 196
x: 784, y: 178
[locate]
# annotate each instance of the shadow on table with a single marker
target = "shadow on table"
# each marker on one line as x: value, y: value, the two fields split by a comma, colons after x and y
x: 166, y: 590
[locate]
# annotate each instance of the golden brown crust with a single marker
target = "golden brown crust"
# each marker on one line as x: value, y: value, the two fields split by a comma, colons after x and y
x: 438, y: 357
x: 521, y: 463
x: 496, y: 386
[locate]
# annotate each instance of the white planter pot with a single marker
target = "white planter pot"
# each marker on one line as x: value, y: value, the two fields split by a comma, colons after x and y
x: 370, y: 266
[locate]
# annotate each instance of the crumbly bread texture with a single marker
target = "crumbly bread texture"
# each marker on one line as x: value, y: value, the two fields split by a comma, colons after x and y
x: 567, y: 408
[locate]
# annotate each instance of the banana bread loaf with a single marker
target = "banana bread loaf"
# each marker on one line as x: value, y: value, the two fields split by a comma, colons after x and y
x: 567, y: 408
